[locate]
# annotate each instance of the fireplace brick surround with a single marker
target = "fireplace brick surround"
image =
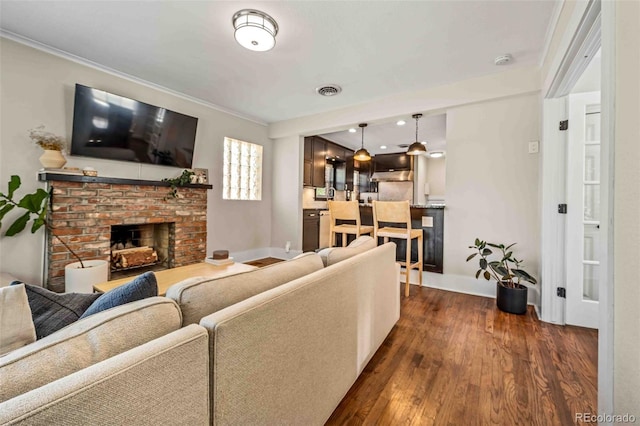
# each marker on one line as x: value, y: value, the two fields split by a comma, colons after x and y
x: 83, y: 209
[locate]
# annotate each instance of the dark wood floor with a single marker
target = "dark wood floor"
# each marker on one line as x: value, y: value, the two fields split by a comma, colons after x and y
x: 264, y: 261
x: 455, y: 359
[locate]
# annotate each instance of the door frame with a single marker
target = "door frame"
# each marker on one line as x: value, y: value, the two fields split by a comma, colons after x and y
x: 602, y: 14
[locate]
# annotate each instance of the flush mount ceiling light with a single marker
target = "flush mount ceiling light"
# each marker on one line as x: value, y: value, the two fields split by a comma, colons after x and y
x: 255, y: 30
x: 417, y: 147
x: 401, y: 122
x: 383, y: 147
x: 352, y: 130
x: 362, y: 154
x: 436, y: 154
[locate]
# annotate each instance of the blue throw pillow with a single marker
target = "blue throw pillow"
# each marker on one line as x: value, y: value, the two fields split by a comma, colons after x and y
x: 52, y: 311
x: 140, y: 288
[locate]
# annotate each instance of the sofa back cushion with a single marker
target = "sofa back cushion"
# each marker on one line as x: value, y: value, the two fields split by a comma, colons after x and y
x: 200, y: 296
x: 85, y: 343
x: 333, y: 255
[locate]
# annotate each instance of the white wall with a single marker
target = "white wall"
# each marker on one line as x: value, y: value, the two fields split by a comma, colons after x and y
x: 492, y: 182
x: 626, y: 390
x: 286, y: 222
x: 38, y: 88
x: 436, y: 176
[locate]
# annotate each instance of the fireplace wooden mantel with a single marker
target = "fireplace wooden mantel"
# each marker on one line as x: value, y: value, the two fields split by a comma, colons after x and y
x: 51, y: 176
x: 83, y: 209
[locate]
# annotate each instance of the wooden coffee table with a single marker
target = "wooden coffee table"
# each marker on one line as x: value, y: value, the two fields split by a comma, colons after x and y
x: 168, y: 277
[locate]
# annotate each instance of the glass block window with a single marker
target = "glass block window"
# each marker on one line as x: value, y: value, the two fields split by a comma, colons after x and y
x: 242, y: 178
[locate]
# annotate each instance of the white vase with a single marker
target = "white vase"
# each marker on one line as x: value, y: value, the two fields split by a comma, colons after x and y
x: 52, y: 159
x: 81, y: 280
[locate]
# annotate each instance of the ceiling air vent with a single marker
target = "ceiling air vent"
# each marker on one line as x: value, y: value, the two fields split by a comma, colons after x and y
x: 329, y: 90
x: 403, y: 145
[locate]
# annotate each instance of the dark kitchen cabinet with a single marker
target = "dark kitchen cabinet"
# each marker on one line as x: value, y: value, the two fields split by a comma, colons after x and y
x: 319, y: 162
x: 310, y: 230
x: 307, y: 173
x: 392, y: 162
x: 314, y: 162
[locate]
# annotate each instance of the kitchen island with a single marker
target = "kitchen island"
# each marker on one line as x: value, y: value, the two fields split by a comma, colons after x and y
x: 433, y: 235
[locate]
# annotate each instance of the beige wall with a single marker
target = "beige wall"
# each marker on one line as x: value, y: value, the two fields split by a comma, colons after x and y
x: 38, y: 88
x: 626, y: 314
x: 492, y: 181
x: 436, y: 172
x: 286, y: 222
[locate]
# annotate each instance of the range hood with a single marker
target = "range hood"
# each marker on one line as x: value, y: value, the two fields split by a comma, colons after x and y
x: 395, y: 176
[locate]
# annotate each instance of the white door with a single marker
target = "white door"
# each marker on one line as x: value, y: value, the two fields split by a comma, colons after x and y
x: 583, y: 210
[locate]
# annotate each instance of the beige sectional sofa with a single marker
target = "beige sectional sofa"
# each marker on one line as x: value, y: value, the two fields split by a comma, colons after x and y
x: 278, y: 345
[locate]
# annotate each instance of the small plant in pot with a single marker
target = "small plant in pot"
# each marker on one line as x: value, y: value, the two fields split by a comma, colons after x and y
x: 511, y: 294
x: 79, y: 276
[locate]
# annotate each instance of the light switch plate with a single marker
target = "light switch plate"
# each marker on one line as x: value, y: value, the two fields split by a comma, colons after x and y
x: 534, y: 147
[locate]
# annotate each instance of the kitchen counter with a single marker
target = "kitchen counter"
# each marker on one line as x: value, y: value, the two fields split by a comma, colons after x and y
x: 414, y: 206
x: 433, y: 235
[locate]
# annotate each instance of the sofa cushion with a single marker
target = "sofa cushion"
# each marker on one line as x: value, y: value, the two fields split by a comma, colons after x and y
x: 86, y: 342
x: 333, y: 255
x: 53, y: 311
x: 201, y: 296
x: 16, y: 325
x: 141, y: 287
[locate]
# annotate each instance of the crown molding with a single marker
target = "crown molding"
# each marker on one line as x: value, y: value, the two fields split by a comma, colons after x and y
x: 85, y: 62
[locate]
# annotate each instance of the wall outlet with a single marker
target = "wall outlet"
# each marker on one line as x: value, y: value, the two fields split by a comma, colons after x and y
x: 534, y: 147
x: 287, y: 247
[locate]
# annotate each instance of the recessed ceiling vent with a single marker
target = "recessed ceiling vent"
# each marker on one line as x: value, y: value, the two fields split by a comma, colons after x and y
x: 403, y: 145
x: 329, y: 90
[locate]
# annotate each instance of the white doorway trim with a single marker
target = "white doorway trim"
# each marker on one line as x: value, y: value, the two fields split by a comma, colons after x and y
x: 550, y: 310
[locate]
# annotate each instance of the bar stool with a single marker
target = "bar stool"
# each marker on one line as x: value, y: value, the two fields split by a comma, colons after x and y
x: 345, y: 210
x: 398, y: 212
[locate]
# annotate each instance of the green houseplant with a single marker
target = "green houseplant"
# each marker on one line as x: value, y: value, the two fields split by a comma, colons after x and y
x: 34, y: 207
x: 80, y: 276
x: 506, y: 269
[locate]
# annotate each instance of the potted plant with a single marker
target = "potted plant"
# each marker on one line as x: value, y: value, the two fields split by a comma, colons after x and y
x: 511, y: 294
x: 52, y: 145
x: 80, y: 276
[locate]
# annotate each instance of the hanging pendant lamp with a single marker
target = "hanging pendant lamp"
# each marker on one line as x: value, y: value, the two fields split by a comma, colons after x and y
x: 362, y: 154
x: 417, y: 147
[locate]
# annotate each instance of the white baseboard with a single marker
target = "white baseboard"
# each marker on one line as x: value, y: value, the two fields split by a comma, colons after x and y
x: 464, y: 284
x: 261, y: 253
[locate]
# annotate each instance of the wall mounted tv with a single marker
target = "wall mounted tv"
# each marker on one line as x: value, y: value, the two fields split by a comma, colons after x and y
x: 113, y: 127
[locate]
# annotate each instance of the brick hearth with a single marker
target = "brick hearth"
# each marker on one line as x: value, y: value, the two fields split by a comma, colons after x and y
x: 82, y: 213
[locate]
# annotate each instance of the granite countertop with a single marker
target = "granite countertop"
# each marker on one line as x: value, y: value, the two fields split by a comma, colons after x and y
x: 414, y: 206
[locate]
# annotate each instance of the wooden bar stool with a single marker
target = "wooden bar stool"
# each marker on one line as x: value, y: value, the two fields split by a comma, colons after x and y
x: 398, y: 212
x: 345, y: 210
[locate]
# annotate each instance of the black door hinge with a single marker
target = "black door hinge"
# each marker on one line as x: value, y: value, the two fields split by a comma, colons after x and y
x: 561, y: 292
x: 562, y: 208
x: 564, y: 124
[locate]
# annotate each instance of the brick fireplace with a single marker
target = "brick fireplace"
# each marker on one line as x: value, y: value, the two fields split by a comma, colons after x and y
x: 84, y: 209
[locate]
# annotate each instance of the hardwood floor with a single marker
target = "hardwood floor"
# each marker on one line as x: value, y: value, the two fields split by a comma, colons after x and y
x: 264, y: 261
x: 455, y: 359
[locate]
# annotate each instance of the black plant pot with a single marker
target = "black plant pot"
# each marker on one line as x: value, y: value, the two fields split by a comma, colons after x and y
x: 512, y: 300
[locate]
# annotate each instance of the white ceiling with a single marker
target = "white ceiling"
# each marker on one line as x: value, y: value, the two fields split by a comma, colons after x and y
x: 432, y: 130
x: 372, y: 49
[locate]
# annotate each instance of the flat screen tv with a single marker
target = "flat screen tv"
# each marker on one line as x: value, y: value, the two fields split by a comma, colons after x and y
x: 113, y: 127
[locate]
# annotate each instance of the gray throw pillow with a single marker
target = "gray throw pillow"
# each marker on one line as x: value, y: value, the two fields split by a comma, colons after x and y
x: 141, y: 287
x: 52, y: 311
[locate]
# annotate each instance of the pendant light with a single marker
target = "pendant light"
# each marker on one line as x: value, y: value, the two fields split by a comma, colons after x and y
x: 362, y: 154
x: 416, y: 148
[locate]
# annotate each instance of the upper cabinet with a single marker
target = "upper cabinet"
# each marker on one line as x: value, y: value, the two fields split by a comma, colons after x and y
x: 320, y: 156
x: 392, y: 162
